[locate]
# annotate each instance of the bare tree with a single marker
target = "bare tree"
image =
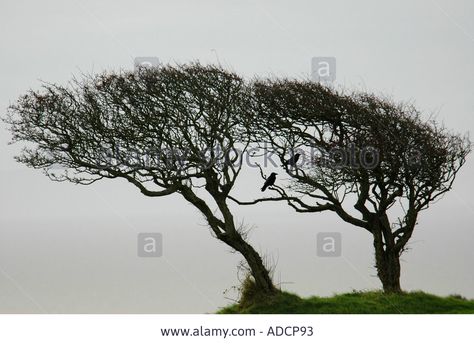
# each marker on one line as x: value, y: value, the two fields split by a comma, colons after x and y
x: 373, y: 162
x: 166, y: 130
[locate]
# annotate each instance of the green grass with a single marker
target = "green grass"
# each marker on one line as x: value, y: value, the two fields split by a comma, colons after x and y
x: 358, y: 302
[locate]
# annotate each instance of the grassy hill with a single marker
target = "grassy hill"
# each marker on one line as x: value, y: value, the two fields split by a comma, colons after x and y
x: 358, y: 302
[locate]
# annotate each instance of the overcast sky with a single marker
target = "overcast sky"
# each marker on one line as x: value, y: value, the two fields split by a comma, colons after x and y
x: 65, y: 248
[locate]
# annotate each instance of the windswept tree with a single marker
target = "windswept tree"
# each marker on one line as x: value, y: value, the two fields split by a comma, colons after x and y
x: 373, y: 162
x: 166, y: 130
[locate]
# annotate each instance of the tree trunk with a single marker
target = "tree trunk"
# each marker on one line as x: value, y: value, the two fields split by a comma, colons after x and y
x: 388, y: 268
x: 227, y: 233
x: 259, y: 272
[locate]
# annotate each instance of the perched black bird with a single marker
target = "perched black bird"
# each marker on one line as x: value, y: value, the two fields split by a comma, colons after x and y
x: 292, y: 161
x: 270, y: 181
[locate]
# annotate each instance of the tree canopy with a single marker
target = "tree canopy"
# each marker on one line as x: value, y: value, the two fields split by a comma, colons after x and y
x: 166, y: 130
x: 363, y: 156
x: 181, y: 129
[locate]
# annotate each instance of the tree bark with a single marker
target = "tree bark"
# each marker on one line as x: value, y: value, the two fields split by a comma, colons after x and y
x: 259, y: 272
x: 387, y: 262
x: 226, y: 232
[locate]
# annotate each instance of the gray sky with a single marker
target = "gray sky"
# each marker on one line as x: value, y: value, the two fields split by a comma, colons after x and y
x: 65, y: 248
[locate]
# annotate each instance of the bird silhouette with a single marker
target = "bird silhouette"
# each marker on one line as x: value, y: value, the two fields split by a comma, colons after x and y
x: 293, y: 160
x: 270, y: 181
